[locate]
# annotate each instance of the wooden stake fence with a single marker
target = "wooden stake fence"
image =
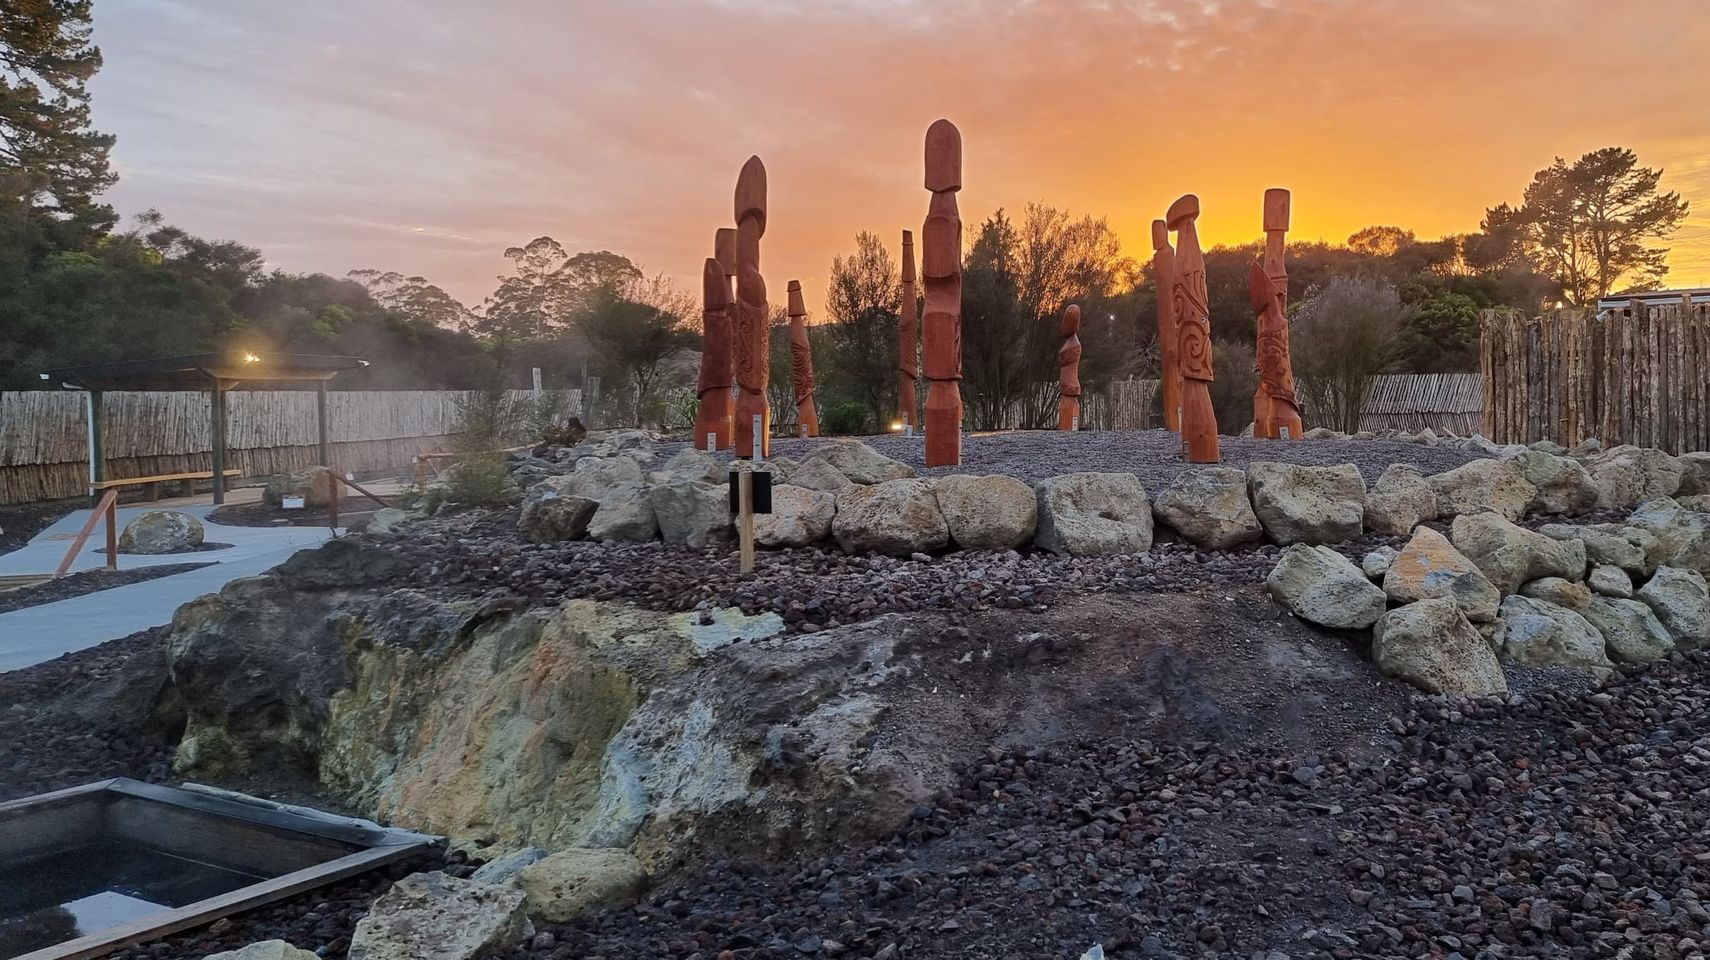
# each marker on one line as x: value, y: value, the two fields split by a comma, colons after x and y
x: 1638, y: 375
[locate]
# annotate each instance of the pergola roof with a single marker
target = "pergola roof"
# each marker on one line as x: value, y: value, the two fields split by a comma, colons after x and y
x: 241, y: 371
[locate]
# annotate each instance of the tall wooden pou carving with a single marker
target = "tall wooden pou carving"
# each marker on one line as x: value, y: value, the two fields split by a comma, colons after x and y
x: 753, y: 350
x: 941, y: 267
x: 908, y: 341
x: 1169, y: 367
x: 1193, y: 339
x: 1276, y: 408
x: 712, y: 417
x: 1069, y: 371
x: 801, y: 363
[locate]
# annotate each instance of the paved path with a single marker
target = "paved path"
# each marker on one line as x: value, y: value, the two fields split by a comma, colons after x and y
x: 39, y: 633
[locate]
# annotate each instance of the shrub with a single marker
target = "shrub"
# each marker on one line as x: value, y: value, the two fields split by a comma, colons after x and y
x: 845, y: 419
x: 1343, y: 337
x: 1232, y: 391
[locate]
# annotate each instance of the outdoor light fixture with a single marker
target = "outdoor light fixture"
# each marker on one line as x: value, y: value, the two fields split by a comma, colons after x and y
x: 251, y: 358
x: 896, y: 426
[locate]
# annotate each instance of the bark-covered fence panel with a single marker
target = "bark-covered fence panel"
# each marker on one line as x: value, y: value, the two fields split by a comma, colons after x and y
x: 1638, y: 375
x: 44, y: 434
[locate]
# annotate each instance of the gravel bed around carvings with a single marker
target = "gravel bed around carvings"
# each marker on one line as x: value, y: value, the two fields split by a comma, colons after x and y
x: 89, y: 581
x: 1153, y: 455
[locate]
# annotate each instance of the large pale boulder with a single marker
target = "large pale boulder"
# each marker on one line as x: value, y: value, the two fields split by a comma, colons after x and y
x: 1400, y: 500
x: 1610, y: 581
x: 691, y: 513
x: 1606, y: 543
x: 1209, y: 508
x: 1681, y: 600
x: 1627, y: 476
x: 1564, y: 485
x: 1541, y: 634
x: 1683, y: 536
x: 898, y: 517
x: 266, y: 950
x: 1694, y: 474
x: 1497, y: 486
x: 691, y: 463
x: 313, y: 484
x: 819, y: 474
x: 859, y: 462
x: 161, y: 531
x: 1511, y: 555
x: 595, y: 476
x: 1433, y: 646
x: 564, y: 884
x: 1320, y: 585
x: 799, y: 516
x: 994, y: 512
x: 1631, y: 633
x: 552, y: 518
x: 1430, y: 568
x: 625, y: 513
x: 1313, y: 505
x: 433, y: 916
x: 1088, y: 514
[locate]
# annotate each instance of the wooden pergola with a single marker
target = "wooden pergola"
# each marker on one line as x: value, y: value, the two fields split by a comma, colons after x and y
x: 213, y: 373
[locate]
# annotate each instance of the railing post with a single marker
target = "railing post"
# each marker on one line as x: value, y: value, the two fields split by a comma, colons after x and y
x: 113, y: 535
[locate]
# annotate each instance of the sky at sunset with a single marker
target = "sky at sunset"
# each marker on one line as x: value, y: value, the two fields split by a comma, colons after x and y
x: 426, y: 136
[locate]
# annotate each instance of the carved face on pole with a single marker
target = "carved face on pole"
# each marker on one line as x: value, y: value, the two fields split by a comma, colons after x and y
x: 1188, y: 293
x: 801, y: 363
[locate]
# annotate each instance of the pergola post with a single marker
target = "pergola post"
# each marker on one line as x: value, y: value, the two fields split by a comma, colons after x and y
x: 322, y: 422
x: 217, y: 433
x: 97, y: 459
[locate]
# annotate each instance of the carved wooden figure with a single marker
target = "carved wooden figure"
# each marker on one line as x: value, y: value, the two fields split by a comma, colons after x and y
x: 1069, y: 371
x: 753, y: 351
x: 1276, y: 408
x: 1193, y: 335
x: 801, y: 363
x: 1169, y: 368
x: 908, y: 340
x: 941, y: 268
x: 712, y: 418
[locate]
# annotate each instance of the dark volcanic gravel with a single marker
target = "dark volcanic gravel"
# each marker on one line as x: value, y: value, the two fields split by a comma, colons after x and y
x: 1155, y: 456
x: 1558, y: 825
x: 811, y: 587
x: 21, y: 521
x: 89, y: 581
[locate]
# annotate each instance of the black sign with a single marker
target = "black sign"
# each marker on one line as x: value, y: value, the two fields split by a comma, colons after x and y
x: 762, y: 492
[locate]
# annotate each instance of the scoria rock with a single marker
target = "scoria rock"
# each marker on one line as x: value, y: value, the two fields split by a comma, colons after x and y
x: 1429, y: 567
x: 987, y: 513
x: 561, y: 886
x: 1313, y: 505
x: 898, y: 517
x: 1681, y: 600
x: 1483, y: 485
x: 1209, y: 508
x: 1088, y: 514
x: 1510, y: 555
x: 1320, y: 585
x: 1400, y: 500
x: 799, y: 516
x: 1433, y: 646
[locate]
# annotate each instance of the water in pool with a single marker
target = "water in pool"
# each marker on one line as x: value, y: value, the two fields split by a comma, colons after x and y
x: 87, y: 889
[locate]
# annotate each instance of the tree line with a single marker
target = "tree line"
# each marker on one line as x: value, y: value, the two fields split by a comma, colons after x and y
x: 77, y: 286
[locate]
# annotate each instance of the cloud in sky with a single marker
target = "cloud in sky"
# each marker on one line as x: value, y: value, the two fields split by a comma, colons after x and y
x: 426, y: 136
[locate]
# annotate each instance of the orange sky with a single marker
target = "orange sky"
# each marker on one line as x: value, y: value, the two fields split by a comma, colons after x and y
x: 425, y: 136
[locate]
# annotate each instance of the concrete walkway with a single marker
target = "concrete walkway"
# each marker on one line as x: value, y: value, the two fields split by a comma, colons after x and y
x: 35, y: 634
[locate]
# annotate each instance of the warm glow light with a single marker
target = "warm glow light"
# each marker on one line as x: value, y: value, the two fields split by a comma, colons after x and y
x: 251, y: 358
x: 896, y: 426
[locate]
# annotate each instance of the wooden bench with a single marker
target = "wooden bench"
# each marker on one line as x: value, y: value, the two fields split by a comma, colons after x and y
x: 153, y: 483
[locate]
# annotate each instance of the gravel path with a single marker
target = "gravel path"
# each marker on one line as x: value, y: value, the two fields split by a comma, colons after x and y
x: 1153, y: 455
x: 89, y: 581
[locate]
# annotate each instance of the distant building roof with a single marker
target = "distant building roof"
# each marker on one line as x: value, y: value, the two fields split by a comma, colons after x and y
x: 249, y: 371
x: 1653, y: 298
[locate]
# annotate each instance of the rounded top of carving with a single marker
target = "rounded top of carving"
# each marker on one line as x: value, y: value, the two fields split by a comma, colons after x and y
x: 1260, y: 293
x: 1160, y: 235
x: 797, y: 308
x: 724, y: 249
x: 751, y: 192
x: 1185, y: 210
x: 1276, y: 209
x: 1072, y: 320
x: 715, y: 289
x: 943, y: 157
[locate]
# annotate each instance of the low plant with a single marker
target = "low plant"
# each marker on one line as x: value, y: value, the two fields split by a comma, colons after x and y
x: 845, y: 419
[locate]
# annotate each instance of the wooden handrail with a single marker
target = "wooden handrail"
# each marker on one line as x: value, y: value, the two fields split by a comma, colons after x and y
x: 332, y: 497
x: 109, y: 508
